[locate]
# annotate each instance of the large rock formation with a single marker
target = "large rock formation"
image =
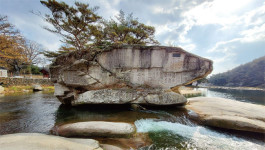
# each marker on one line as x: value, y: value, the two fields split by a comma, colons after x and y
x: 126, y: 74
x: 229, y: 114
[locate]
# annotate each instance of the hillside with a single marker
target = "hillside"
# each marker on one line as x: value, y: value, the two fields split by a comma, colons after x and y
x: 251, y: 74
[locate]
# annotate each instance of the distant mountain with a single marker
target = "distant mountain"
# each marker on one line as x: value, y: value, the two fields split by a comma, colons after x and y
x: 251, y: 74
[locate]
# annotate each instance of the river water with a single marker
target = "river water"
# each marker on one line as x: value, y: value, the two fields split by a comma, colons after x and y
x: 168, y: 128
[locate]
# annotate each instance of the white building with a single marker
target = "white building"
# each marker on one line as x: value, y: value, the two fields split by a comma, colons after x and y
x: 3, y: 72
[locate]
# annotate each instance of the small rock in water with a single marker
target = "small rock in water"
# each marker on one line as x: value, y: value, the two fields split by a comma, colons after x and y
x: 96, y: 129
x: 37, y: 87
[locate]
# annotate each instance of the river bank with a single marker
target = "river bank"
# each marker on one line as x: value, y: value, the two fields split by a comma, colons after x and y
x: 233, y: 88
x: 190, y: 92
x: 13, y: 90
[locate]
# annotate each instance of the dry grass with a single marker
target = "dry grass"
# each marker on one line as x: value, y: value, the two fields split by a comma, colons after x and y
x: 25, y: 89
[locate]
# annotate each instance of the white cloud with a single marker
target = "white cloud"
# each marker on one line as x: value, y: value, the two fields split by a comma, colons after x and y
x: 223, y: 46
x: 222, y: 12
x: 188, y: 47
x: 254, y: 34
x: 161, y: 10
x: 224, y: 63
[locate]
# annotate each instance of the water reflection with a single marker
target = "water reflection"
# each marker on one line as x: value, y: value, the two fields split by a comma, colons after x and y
x: 249, y: 96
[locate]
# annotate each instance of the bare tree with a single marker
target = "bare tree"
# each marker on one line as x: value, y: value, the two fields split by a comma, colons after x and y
x: 32, y: 50
x: 6, y: 28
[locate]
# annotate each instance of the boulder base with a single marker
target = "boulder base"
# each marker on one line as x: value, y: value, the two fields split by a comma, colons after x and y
x: 125, y: 96
x: 228, y: 114
x: 97, y: 129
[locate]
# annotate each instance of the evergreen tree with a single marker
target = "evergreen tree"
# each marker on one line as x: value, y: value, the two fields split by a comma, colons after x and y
x: 76, y: 24
x: 82, y: 29
x: 128, y: 30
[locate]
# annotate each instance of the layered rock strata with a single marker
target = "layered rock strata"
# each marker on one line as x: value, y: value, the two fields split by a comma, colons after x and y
x: 129, y: 74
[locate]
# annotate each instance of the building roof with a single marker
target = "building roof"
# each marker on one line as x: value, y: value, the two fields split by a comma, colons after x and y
x: 45, y: 69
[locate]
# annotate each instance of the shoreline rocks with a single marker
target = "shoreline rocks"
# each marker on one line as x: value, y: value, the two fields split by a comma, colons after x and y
x: 96, y: 129
x: 228, y: 114
x: 37, y: 141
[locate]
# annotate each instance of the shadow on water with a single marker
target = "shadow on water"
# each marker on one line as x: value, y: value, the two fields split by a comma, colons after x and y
x: 115, y: 113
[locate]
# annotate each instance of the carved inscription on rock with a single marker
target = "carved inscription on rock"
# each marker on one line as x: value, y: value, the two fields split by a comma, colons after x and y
x: 155, y: 77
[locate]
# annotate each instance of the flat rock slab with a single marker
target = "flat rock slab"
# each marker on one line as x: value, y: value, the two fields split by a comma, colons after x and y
x: 36, y: 141
x: 96, y: 129
x: 228, y: 114
x: 110, y: 147
x: 2, y: 89
x: 128, y: 96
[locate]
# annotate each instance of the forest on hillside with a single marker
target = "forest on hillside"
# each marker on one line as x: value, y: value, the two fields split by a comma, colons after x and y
x: 251, y: 74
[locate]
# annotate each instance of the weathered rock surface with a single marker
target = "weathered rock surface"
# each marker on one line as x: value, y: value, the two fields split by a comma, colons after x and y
x: 110, y: 147
x: 96, y: 129
x: 229, y: 114
x: 37, y: 87
x: 123, y: 96
x: 139, y: 68
x: 36, y: 141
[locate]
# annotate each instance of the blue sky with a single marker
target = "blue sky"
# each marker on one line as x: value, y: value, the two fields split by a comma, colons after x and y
x: 229, y: 32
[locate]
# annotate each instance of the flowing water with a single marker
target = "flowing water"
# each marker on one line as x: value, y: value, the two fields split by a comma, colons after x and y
x: 168, y: 128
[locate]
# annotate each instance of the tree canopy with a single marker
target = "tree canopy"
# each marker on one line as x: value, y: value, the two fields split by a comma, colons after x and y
x: 15, y: 50
x: 128, y: 30
x: 81, y: 28
x: 76, y: 24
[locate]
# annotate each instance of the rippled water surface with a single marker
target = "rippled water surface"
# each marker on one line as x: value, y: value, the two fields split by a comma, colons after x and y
x: 167, y: 127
